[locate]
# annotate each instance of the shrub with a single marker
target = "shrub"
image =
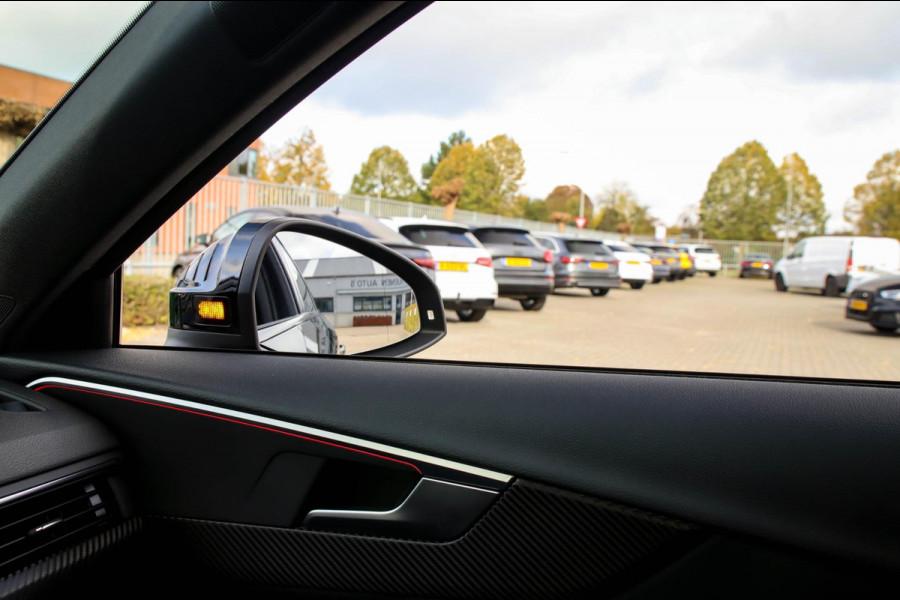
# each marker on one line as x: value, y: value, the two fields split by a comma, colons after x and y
x: 145, y: 300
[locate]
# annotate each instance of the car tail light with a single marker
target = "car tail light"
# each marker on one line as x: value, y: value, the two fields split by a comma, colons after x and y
x: 850, y: 261
x: 484, y: 261
x: 746, y: 263
x: 548, y: 256
x: 571, y: 260
x: 425, y: 263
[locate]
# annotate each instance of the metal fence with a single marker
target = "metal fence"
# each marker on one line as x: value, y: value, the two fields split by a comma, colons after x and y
x: 223, y: 196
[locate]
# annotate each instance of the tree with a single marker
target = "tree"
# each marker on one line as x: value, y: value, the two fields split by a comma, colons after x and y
x: 808, y: 215
x: 533, y: 209
x: 875, y: 208
x: 386, y: 175
x: 491, y: 174
x: 743, y: 196
x: 621, y: 210
x: 455, y: 139
x: 301, y: 161
x: 561, y: 218
x: 567, y: 198
x: 609, y: 219
x: 448, y: 195
x: 506, y: 154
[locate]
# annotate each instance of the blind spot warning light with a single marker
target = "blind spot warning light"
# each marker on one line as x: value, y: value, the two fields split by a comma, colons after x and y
x: 212, y: 311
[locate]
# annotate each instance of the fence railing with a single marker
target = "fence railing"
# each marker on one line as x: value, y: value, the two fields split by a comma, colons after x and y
x: 224, y: 195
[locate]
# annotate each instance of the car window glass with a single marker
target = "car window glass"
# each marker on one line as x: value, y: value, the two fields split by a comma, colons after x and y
x: 586, y: 247
x: 503, y: 236
x: 597, y: 166
x: 437, y: 236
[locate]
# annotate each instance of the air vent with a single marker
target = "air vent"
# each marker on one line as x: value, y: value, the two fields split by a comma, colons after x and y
x: 33, y: 525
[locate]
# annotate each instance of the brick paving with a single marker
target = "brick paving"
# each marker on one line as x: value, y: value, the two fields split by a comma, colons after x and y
x: 720, y: 324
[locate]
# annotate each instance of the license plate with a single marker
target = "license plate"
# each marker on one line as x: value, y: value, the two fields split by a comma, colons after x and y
x: 757, y: 265
x: 599, y: 265
x: 634, y: 262
x: 861, y: 305
x: 656, y: 262
x: 453, y: 266
x: 512, y: 261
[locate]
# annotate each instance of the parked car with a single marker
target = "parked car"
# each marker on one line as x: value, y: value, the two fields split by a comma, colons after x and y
x: 837, y: 264
x: 757, y: 264
x: 705, y: 258
x: 659, y: 262
x: 522, y: 267
x: 877, y: 302
x: 687, y: 262
x: 351, y: 220
x: 635, y: 267
x: 464, y: 269
x: 671, y: 257
x: 581, y: 263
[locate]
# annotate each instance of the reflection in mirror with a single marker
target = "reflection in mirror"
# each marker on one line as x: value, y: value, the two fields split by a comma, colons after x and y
x: 338, y: 300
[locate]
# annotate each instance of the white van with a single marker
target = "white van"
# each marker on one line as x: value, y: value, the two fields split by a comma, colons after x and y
x: 837, y: 264
x: 705, y: 258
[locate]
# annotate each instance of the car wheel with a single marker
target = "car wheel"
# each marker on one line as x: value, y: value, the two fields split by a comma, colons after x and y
x: 712, y: 273
x: 657, y: 280
x: 779, y: 283
x: 177, y: 272
x: 636, y: 285
x: 831, y: 288
x: 741, y: 275
x: 682, y: 276
x: 884, y: 328
x: 533, y: 303
x: 471, y: 314
x: 671, y: 278
x: 603, y: 291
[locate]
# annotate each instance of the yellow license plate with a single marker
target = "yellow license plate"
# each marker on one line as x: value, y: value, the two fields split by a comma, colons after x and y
x: 453, y: 266
x: 518, y: 262
x: 599, y: 265
x: 670, y: 260
x: 655, y: 262
x: 862, y: 305
x: 757, y: 265
x: 634, y: 262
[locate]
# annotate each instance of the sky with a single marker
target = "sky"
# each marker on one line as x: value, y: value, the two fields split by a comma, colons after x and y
x: 653, y: 95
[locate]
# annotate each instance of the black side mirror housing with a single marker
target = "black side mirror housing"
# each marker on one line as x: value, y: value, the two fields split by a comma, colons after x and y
x: 214, y: 304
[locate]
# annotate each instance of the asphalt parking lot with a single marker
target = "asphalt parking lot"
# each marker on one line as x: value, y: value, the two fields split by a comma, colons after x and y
x: 720, y: 324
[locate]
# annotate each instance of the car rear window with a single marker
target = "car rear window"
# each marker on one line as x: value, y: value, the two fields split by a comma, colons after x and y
x: 437, y: 236
x: 503, y: 236
x: 704, y: 250
x: 372, y: 230
x: 587, y: 247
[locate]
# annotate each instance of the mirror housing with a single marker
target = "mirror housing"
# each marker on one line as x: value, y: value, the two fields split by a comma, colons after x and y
x: 214, y: 304
x: 203, y: 239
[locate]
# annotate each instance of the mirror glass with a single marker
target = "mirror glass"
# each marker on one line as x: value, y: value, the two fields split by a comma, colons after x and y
x: 315, y: 296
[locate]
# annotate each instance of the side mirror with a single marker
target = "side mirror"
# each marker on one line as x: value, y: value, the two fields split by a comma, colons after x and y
x: 203, y: 239
x: 295, y: 285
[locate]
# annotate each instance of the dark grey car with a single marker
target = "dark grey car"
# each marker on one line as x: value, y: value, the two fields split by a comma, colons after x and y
x: 582, y: 263
x: 668, y: 255
x: 522, y: 267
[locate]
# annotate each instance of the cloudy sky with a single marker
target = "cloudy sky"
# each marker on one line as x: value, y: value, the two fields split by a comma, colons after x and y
x: 654, y: 95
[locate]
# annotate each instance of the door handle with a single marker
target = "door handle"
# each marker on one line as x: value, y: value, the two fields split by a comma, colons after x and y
x: 435, y: 510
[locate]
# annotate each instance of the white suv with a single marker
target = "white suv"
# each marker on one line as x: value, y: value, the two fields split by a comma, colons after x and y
x: 464, y: 270
x: 705, y: 258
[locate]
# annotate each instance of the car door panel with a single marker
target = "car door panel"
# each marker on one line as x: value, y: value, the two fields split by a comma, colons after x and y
x: 775, y: 445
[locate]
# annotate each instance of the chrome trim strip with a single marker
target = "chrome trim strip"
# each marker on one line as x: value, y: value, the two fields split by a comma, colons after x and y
x: 329, y: 512
x: 310, y: 431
